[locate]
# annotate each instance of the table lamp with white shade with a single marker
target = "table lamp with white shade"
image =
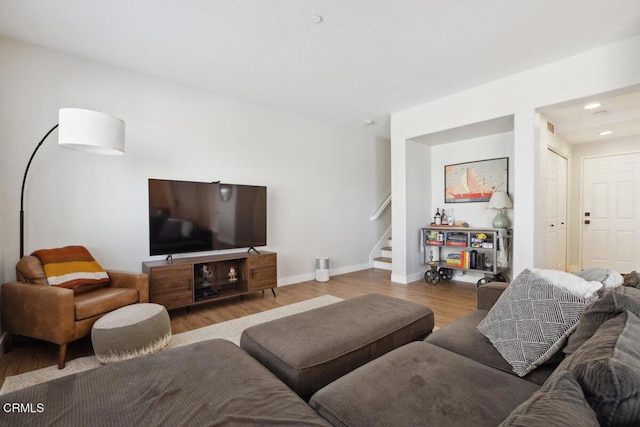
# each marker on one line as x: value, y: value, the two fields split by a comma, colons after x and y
x: 500, y: 201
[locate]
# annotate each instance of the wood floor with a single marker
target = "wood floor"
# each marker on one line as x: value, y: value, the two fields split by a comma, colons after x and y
x: 448, y: 300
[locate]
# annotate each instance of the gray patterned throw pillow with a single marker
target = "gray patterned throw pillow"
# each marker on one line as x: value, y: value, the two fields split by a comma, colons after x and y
x: 530, y: 321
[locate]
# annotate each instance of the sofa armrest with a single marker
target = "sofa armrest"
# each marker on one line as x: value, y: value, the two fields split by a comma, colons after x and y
x: 39, y: 311
x: 489, y: 293
x: 139, y: 281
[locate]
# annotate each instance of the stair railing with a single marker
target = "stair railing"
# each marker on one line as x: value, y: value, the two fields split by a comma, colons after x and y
x: 381, y: 209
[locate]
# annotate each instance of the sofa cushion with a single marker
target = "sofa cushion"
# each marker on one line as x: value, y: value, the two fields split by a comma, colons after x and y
x: 489, y: 293
x: 104, y: 300
x: 463, y: 337
x: 531, y: 320
x: 308, y: 350
x: 207, y: 383
x: 421, y: 384
x: 609, y: 306
x: 607, y: 367
x: 609, y: 278
x: 71, y: 266
x: 560, y: 402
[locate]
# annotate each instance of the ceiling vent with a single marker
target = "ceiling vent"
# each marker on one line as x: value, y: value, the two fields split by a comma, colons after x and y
x: 551, y: 128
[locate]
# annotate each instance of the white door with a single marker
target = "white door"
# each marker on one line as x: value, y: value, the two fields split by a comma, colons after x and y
x: 611, y: 212
x: 556, y: 211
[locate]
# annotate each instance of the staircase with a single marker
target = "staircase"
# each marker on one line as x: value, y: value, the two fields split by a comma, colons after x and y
x: 384, y: 260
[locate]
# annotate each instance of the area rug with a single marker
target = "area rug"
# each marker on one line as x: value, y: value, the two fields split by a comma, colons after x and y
x: 229, y: 330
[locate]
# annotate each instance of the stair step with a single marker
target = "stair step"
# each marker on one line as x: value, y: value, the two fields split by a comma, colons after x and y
x: 383, y: 263
x: 386, y: 248
x: 386, y: 253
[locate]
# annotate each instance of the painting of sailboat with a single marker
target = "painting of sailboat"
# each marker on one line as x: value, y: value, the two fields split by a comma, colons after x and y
x: 475, y: 181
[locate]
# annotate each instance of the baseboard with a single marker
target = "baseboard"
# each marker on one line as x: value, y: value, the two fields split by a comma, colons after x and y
x: 401, y: 279
x: 415, y: 277
x: 291, y: 280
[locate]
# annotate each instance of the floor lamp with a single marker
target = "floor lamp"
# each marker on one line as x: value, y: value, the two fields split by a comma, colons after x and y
x: 82, y: 130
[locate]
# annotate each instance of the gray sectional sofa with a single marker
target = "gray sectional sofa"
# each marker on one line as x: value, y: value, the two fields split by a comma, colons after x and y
x: 454, y: 377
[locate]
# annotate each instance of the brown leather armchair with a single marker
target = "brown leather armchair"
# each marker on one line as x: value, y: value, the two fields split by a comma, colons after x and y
x: 32, y: 308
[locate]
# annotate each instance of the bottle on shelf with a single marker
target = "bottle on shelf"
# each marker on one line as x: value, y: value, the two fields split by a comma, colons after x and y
x: 437, y: 219
x: 444, y: 219
x: 451, y: 218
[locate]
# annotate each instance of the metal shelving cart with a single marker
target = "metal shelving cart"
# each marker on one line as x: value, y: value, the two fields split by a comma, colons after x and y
x: 447, y: 249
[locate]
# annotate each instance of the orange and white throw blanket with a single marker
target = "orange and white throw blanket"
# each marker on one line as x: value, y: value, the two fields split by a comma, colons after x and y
x: 71, y: 266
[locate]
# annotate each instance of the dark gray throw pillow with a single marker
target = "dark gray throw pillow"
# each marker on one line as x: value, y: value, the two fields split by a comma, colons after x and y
x: 607, y: 367
x: 609, y: 306
x: 560, y: 402
x: 631, y: 279
x: 530, y: 321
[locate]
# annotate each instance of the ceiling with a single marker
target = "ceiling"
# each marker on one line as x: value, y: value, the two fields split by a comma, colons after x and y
x: 342, y: 61
x: 617, y: 113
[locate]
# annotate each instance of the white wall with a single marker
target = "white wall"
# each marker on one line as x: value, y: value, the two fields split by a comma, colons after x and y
x: 428, y: 164
x: 324, y: 181
x: 418, y: 169
x: 474, y: 149
x: 605, y: 69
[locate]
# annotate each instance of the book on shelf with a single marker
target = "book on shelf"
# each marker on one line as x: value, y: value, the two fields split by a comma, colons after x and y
x: 454, y: 260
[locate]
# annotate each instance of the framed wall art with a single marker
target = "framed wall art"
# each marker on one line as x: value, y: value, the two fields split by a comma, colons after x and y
x: 475, y: 181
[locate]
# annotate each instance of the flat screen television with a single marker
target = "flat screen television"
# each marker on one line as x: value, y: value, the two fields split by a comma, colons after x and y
x: 187, y: 216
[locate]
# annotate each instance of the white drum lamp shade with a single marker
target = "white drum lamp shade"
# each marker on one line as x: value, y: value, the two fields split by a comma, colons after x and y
x: 500, y: 201
x: 83, y: 130
x: 90, y: 131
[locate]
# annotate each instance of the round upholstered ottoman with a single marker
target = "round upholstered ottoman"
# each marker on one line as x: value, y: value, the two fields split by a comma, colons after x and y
x: 131, y: 331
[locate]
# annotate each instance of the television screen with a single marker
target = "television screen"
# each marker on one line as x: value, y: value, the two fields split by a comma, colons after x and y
x: 189, y: 216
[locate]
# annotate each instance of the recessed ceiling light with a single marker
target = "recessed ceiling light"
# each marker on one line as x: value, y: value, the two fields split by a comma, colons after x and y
x: 369, y: 122
x: 592, y: 105
x: 605, y: 133
x: 316, y: 19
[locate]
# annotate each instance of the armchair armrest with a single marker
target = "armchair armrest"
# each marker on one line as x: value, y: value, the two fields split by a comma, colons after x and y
x: 139, y: 281
x: 489, y: 293
x: 39, y: 311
